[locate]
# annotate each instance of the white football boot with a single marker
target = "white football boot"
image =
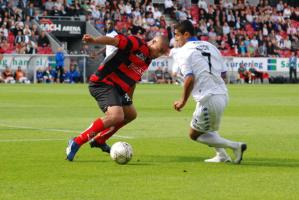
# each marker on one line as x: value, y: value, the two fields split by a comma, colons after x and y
x: 239, y: 152
x: 220, y: 157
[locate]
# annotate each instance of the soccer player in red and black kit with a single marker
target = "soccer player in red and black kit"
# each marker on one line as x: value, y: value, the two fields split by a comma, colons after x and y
x: 113, y: 84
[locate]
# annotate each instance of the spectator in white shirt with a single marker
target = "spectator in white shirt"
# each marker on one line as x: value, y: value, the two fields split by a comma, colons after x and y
x: 287, y: 11
x: 225, y: 29
x: 4, y: 31
x: 121, y: 7
x: 49, y: 5
x: 136, y: 13
x: 168, y: 6
x: 101, y: 2
x: 254, y: 42
x: 150, y: 8
x: 249, y: 16
x: 279, y: 6
x: 287, y: 43
x: 228, y: 4
x: 157, y: 13
x: 203, y: 4
x: 128, y: 9
x: 95, y: 13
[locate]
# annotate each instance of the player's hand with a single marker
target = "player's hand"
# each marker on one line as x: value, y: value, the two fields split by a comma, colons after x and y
x: 88, y: 38
x: 178, y: 105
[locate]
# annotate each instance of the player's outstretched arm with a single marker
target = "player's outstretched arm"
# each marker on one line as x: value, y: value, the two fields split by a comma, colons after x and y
x: 104, y: 40
x: 188, y: 86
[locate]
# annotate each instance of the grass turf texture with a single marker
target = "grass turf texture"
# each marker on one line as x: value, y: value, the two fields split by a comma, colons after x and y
x: 36, y: 122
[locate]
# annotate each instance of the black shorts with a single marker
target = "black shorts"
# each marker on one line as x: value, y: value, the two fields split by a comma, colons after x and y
x: 107, y: 95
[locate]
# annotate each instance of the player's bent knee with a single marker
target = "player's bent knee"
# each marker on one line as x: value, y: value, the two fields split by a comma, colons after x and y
x: 116, y: 119
x: 132, y: 116
x: 194, y: 135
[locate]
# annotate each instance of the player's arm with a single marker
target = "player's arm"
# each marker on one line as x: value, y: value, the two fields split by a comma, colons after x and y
x: 104, y: 40
x: 224, y: 77
x: 97, y: 53
x: 185, y: 63
x: 188, y: 86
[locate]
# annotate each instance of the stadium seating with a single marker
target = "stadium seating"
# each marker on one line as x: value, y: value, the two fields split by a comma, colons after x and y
x: 124, y: 22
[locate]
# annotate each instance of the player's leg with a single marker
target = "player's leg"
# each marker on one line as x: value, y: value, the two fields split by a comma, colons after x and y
x: 101, y: 138
x: 110, y: 103
x: 205, y: 122
x: 209, y: 139
x: 199, y: 125
x: 130, y: 114
x: 113, y: 116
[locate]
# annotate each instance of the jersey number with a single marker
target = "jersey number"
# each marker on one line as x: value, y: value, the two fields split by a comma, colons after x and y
x: 209, y: 59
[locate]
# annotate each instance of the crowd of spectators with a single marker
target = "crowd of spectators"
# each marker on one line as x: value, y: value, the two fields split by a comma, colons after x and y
x: 10, y: 76
x: 234, y: 26
x: 51, y: 75
x: 161, y: 75
x: 237, y: 28
x: 17, y: 32
x: 251, y: 75
x: 43, y: 75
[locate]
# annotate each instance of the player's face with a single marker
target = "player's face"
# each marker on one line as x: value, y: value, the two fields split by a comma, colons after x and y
x: 156, y: 47
x: 109, y: 25
x: 180, y: 38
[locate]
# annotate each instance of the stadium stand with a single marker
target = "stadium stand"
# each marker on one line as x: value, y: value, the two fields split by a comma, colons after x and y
x: 238, y: 20
x: 237, y: 28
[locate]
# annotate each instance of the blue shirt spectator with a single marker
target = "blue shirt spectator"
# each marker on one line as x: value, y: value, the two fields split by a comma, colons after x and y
x: 59, y: 57
x: 293, y: 67
x: 72, y: 76
x: 39, y: 76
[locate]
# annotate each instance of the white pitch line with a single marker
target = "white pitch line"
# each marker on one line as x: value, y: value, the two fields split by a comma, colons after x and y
x: 48, y: 129
x: 41, y: 129
x: 30, y: 140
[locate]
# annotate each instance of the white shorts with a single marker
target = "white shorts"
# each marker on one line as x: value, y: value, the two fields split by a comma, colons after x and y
x: 208, y: 113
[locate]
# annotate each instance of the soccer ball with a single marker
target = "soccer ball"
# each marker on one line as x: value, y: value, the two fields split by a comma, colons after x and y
x: 121, y: 152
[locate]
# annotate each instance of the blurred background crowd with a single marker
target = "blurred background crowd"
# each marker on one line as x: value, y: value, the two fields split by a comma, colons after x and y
x: 236, y: 27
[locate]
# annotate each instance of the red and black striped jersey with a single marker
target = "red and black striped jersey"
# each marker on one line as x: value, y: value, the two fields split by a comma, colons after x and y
x: 126, y: 66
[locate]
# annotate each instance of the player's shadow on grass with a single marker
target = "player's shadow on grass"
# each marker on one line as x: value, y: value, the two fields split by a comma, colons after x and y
x: 173, y: 158
x: 256, y: 162
x: 91, y: 161
x: 271, y: 162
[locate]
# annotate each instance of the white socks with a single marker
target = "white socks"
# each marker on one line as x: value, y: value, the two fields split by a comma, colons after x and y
x: 221, y: 152
x: 213, y: 139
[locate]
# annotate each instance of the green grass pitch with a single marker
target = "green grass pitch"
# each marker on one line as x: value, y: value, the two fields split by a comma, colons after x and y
x: 36, y: 122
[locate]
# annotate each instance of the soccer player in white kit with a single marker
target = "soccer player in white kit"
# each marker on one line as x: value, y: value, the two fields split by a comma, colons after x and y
x: 110, y: 32
x: 201, y: 65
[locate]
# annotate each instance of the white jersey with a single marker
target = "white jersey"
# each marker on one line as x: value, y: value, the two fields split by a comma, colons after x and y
x: 204, y: 61
x: 109, y: 48
x: 172, y: 54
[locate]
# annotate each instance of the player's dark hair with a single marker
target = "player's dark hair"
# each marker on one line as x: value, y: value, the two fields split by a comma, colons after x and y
x: 111, y: 20
x: 185, y: 26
